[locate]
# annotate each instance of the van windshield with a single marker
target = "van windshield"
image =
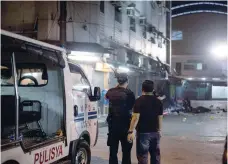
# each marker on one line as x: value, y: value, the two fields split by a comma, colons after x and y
x: 27, y: 75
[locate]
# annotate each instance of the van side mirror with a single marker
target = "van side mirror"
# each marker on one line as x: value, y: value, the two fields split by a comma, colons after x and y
x: 96, y: 95
x: 75, y: 110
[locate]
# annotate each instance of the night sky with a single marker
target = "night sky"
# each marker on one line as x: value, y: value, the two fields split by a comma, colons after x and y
x: 198, y: 7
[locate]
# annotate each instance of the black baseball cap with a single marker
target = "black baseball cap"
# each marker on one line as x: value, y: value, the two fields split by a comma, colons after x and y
x: 122, y: 78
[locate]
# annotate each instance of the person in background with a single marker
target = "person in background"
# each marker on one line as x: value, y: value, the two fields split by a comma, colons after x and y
x: 121, y: 101
x: 147, y: 118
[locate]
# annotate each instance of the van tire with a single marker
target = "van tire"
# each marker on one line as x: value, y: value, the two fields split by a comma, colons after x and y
x: 10, y: 162
x: 82, y: 149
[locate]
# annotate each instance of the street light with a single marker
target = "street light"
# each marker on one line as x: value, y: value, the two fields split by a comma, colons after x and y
x: 83, y: 56
x: 124, y: 69
x: 220, y: 51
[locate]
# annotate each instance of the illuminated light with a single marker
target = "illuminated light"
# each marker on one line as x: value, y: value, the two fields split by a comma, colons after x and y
x: 34, y: 74
x: 125, y: 69
x: 199, y: 3
x: 83, y: 56
x: 198, y: 11
x: 203, y: 78
x: 103, y: 67
x: 106, y: 55
x: 3, y: 67
x: 190, y: 78
x: 216, y: 79
x: 220, y: 51
x: 80, y: 87
x: 99, y: 66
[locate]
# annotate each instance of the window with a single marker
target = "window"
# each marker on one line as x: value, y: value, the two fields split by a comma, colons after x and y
x: 178, y: 68
x: 102, y: 6
x: 118, y: 15
x: 177, y: 35
x: 189, y: 67
x: 80, y: 81
x: 199, y: 66
x: 132, y: 24
x: 195, y: 66
x: 27, y: 75
x: 144, y: 32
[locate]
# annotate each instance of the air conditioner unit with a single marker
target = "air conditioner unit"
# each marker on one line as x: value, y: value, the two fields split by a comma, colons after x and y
x: 144, y: 34
x: 130, y: 12
x: 142, y: 21
x: 153, y: 4
x: 159, y: 3
x: 152, y: 40
x: 135, y: 59
x: 151, y: 29
x: 116, y: 3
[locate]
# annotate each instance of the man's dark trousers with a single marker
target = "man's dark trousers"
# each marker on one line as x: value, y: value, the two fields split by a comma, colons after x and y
x: 148, y: 142
x: 115, y: 138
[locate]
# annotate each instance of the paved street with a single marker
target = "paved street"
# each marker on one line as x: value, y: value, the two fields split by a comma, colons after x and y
x: 192, y: 139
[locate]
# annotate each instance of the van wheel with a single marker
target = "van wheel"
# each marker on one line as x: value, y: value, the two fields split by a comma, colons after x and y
x: 83, y: 154
x: 11, y: 162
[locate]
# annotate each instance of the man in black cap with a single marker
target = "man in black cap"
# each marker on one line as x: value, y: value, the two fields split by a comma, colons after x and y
x: 121, y: 101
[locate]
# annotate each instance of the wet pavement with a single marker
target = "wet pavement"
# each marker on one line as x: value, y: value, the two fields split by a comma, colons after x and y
x: 186, y: 139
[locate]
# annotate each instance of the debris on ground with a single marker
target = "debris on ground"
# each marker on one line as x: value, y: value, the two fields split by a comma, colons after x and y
x: 200, y: 109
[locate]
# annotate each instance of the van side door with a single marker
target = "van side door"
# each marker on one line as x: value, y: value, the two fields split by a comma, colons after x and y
x: 80, y: 91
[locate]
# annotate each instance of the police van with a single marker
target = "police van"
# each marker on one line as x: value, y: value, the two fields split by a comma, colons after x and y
x: 48, y: 107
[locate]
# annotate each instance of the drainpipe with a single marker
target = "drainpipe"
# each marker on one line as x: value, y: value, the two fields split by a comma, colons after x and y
x: 17, y: 97
x: 168, y: 33
x: 62, y: 22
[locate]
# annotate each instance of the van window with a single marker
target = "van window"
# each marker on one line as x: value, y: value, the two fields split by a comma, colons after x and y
x: 27, y: 75
x: 80, y: 81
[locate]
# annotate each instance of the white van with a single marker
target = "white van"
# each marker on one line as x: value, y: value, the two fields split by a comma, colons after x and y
x: 48, y: 111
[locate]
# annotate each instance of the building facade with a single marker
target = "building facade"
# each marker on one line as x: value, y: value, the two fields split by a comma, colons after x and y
x: 127, y: 36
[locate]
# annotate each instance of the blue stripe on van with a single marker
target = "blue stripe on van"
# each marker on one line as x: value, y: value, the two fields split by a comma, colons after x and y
x: 79, y: 119
x: 80, y: 115
x: 92, y: 117
x: 92, y: 113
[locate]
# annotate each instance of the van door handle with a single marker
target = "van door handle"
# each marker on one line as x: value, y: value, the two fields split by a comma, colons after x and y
x: 75, y: 110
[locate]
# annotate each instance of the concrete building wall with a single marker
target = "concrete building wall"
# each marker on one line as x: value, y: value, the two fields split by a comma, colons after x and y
x: 121, y: 33
x: 83, y: 21
x: 21, y: 16
x: 214, y: 66
x: 18, y: 16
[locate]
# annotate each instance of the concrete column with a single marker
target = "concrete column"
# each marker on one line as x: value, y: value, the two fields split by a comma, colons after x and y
x: 137, y: 87
x: 106, y: 86
x: 168, y: 33
x: 106, y: 79
x: 62, y: 22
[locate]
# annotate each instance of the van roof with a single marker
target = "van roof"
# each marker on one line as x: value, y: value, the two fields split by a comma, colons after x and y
x: 30, y: 40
